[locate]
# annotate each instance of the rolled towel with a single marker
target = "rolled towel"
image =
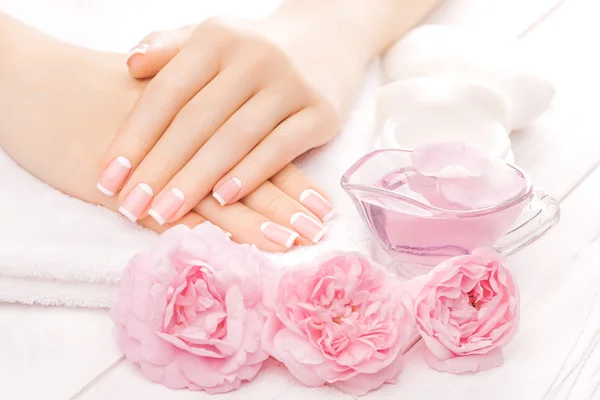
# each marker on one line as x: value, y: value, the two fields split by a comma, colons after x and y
x: 437, y: 50
x: 413, y: 111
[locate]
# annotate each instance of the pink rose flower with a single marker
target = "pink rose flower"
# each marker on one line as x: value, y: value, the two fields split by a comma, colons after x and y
x: 467, y: 308
x: 340, y: 322
x: 190, y: 312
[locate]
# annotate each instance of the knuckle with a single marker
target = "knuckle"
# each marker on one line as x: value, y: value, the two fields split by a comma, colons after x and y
x: 169, y: 83
x: 265, y: 58
x: 254, y: 167
x: 239, y: 129
x: 290, y: 140
x: 323, y: 122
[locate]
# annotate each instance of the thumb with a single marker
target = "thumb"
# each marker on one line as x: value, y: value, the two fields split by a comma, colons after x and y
x: 153, y: 52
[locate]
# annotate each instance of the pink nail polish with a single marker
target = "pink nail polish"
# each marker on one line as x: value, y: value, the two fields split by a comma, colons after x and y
x: 167, y: 205
x: 114, y: 176
x: 279, y: 234
x: 227, y: 191
x: 136, y: 202
x: 317, y: 204
x: 308, y: 227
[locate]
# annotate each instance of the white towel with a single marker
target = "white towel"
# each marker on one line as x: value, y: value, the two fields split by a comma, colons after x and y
x: 57, y: 250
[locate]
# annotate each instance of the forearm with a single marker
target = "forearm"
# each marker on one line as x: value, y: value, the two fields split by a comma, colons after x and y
x: 364, y: 27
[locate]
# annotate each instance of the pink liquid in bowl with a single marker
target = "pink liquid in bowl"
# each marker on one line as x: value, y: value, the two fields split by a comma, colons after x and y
x: 419, y: 227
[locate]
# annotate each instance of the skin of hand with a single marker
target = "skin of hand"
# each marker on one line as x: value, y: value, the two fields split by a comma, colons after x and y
x: 233, y: 103
x: 229, y: 112
x: 61, y: 112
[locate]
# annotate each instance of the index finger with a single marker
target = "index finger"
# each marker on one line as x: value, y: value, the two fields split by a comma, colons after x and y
x: 163, y: 98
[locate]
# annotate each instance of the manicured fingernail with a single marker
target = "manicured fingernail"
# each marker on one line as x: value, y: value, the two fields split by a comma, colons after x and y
x: 167, y: 205
x: 308, y: 227
x: 279, y: 234
x: 141, y: 48
x: 114, y: 176
x: 227, y: 191
x: 317, y: 204
x: 136, y: 202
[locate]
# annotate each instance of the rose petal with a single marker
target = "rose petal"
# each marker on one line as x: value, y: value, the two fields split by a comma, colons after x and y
x: 356, y: 353
x: 495, y: 186
x: 468, y: 363
x: 131, y: 346
x: 297, y: 347
x: 363, y: 383
x: 450, y: 160
x: 435, y: 347
x: 230, y: 365
x: 152, y: 347
x: 304, y: 373
x: 206, y: 351
x: 200, y: 371
x: 272, y: 326
x: 169, y: 375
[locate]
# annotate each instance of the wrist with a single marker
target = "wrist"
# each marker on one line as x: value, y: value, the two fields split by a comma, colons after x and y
x: 356, y: 29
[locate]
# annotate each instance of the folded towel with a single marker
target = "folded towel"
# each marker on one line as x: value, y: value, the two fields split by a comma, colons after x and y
x: 58, y: 250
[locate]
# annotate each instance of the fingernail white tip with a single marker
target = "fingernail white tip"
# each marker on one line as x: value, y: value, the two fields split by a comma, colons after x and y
x: 124, y: 162
x: 291, y: 239
x: 156, y: 216
x: 126, y: 213
x: 264, y: 225
x: 305, y: 193
x: 104, y: 190
x: 319, y: 236
x: 237, y: 181
x: 146, y: 188
x: 139, y: 49
x: 329, y: 216
x: 220, y: 200
x: 178, y: 193
x: 308, y: 192
x: 295, y: 217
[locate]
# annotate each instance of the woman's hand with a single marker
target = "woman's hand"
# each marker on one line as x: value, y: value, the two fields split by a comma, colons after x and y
x: 76, y: 118
x: 224, y: 115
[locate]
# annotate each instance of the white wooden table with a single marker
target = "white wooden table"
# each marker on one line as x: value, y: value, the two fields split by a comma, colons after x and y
x: 57, y: 353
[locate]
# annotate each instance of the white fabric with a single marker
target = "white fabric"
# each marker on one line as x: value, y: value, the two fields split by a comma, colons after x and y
x: 57, y: 250
x: 502, y: 66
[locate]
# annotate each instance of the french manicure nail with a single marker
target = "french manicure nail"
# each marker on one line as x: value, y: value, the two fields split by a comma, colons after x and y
x: 114, y: 176
x: 136, y: 202
x: 317, y: 204
x: 279, y: 234
x: 227, y: 191
x: 141, y: 48
x: 308, y: 227
x: 167, y: 205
